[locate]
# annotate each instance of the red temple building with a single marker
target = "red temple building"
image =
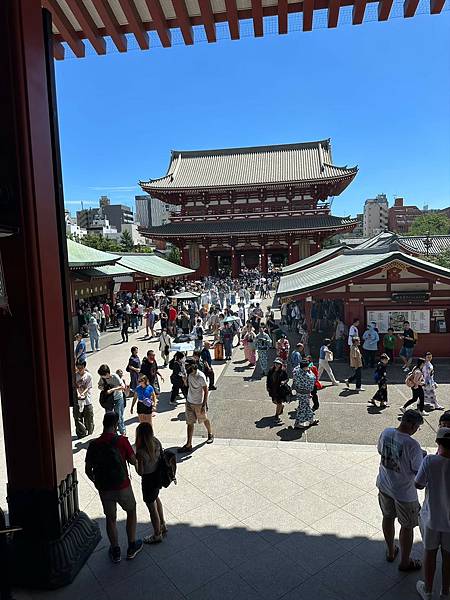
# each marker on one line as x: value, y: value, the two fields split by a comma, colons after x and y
x: 248, y: 206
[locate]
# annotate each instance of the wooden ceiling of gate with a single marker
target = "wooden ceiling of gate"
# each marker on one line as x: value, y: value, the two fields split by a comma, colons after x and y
x: 75, y: 21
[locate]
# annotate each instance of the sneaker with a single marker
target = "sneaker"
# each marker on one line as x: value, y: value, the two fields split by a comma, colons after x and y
x: 420, y: 587
x: 212, y: 388
x: 347, y: 383
x: 361, y: 389
x: 134, y: 549
x: 210, y: 438
x: 115, y: 554
x: 424, y: 413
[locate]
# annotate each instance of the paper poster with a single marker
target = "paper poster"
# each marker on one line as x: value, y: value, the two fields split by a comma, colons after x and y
x: 418, y: 319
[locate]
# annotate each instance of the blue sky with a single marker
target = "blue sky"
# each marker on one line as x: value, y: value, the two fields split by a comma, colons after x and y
x: 380, y: 91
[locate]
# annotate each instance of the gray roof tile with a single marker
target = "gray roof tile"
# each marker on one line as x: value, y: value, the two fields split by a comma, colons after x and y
x: 236, y: 226
x: 240, y: 167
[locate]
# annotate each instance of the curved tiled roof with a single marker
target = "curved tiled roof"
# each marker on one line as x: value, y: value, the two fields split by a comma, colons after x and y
x: 80, y: 255
x: 416, y: 244
x: 154, y: 266
x: 309, y: 261
x: 235, y: 226
x: 344, y: 267
x: 253, y: 166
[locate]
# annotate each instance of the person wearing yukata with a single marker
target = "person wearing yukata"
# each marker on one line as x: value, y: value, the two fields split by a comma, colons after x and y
x: 303, y: 382
x: 263, y: 343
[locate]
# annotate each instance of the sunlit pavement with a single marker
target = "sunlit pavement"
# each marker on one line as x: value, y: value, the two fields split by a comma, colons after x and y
x: 250, y: 518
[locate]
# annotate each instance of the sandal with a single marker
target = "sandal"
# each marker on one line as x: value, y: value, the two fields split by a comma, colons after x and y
x: 153, y: 539
x: 391, y: 559
x: 414, y: 565
x: 184, y: 448
x: 164, y: 530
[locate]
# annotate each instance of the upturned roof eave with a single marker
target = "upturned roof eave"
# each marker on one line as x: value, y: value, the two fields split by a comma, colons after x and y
x: 337, y: 227
x: 349, y: 173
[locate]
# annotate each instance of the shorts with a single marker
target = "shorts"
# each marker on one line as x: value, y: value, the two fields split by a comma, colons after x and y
x: 124, y: 498
x: 195, y: 414
x: 143, y: 409
x: 150, y: 487
x: 406, y: 352
x: 407, y: 513
x: 433, y: 539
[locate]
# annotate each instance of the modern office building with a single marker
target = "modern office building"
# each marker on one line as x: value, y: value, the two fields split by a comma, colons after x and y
x: 116, y: 215
x: 151, y: 212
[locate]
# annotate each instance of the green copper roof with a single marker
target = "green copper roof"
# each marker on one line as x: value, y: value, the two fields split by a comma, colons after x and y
x: 312, y: 260
x: 153, y: 266
x: 84, y: 256
x: 342, y: 268
x: 106, y: 271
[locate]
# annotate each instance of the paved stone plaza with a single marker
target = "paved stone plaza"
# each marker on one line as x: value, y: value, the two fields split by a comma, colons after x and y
x: 264, y: 512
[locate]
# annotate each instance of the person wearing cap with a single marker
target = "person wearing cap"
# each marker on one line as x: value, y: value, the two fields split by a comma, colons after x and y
x: 297, y: 355
x: 196, y: 403
x: 275, y: 377
x: 434, y: 519
x: 303, y: 382
x: 401, y: 458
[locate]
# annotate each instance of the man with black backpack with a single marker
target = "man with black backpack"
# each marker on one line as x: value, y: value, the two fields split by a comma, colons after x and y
x: 106, y: 465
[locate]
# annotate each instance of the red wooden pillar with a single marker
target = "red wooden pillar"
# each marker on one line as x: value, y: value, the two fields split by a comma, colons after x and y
x: 42, y: 486
x: 295, y: 254
x: 203, y: 270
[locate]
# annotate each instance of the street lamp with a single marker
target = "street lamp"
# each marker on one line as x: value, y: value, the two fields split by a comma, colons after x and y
x: 428, y: 242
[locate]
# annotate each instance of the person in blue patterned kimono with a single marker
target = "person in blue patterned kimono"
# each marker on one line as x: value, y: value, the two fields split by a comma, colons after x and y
x: 263, y: 342
x: 303, y: 383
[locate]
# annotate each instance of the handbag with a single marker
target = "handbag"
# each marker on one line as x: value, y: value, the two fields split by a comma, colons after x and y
x: 285, y: 392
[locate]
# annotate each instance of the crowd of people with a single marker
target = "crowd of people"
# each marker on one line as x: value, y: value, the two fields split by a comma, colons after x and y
x: 230, y: 314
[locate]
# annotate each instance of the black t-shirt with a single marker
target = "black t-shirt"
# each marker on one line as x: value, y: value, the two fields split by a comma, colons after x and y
x: 408, y: 343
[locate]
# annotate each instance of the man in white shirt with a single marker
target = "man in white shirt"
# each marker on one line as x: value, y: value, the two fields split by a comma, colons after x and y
x: 434, y: 476
x: 353, y: 331
x: 401, y: 458
x: 196, y: 403
x: 83, y: 411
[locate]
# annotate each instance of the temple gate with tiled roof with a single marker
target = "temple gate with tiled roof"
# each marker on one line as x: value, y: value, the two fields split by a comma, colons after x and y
x: 240, y: 206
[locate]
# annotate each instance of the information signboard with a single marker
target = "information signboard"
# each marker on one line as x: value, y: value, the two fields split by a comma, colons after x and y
x: 418, y: 319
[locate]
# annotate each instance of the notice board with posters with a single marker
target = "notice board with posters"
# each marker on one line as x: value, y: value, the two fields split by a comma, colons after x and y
x: 418, y: 319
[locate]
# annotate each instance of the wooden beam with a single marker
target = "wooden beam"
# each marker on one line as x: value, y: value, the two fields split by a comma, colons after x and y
x: 65, y: 28
x: 58, y: 50
x: 333, y: 13
x: 436, y: 6
x: 160, y: 22
x: 135, y: 23
x: 184, y: 21
x: 257, y: 12
x: 359, y: 8
x: 87, y: 24
x: 384, y: 9
x: 208, y: 20
x: 232, y: 18
x: 409, y: 8
x: 282, y: 16
x: 308, y: 11
x: 111, y: 25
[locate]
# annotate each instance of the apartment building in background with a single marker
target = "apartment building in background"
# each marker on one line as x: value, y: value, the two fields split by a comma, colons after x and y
x: 401, y: 216
x: 151, y: 213
x: 375, y: 217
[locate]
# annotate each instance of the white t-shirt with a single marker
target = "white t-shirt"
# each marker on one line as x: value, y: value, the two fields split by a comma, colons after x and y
x: 434, y: 473
x: 401, y: 457
x: 84, y: 384
x: 352, y: 332
x: 196, y: 384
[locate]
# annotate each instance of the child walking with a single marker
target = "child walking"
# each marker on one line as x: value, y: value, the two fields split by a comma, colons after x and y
x: 380, y: 377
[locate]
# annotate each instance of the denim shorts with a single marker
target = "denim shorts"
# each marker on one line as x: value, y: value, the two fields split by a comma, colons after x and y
x: 406, y: 352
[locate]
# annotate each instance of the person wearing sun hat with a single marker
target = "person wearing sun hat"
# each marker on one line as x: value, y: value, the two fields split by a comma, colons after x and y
x: 434, y: 519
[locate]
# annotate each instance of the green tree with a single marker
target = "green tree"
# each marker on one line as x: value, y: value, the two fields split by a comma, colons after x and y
x: 443, y: 259
x: 100, y: 243
x: 174, y: 255
x: 126, y: 242
x: 142, y: 249
x: 432, y: 223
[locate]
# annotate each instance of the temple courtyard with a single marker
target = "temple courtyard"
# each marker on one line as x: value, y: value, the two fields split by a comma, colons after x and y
x: 264, y: 512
